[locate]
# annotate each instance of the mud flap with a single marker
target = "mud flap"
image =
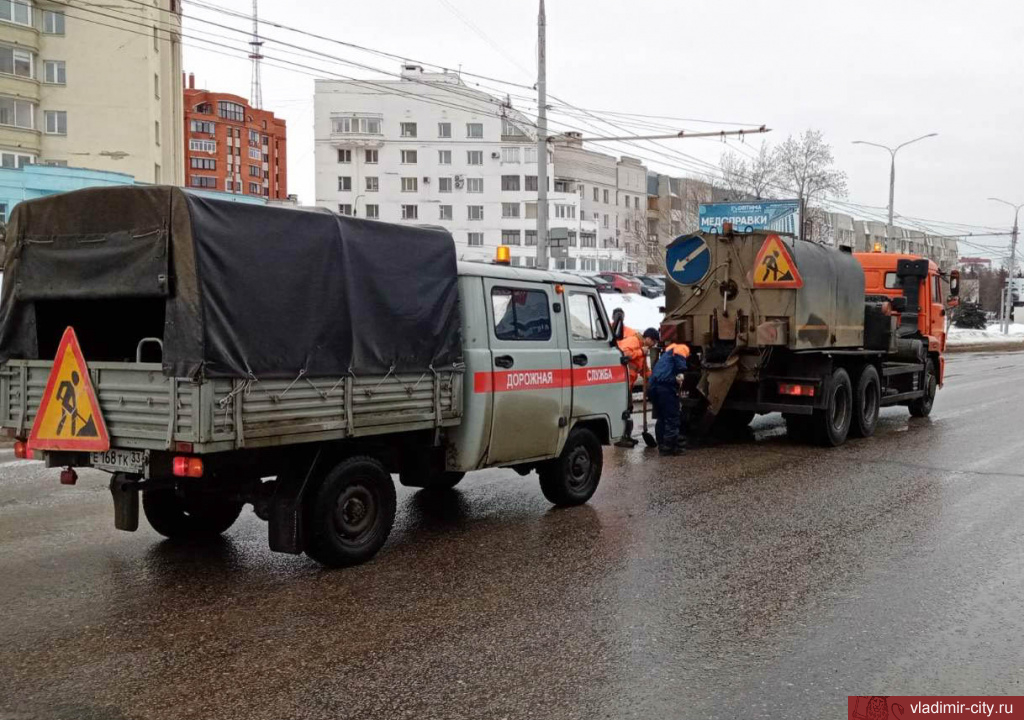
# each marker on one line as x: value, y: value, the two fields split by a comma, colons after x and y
x: 125, y: 493
x: 714, y: 385
x: 287, y: 511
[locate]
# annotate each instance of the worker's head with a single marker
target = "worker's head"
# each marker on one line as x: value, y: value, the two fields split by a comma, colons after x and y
x: 618, y: 316
x: 651, y: 337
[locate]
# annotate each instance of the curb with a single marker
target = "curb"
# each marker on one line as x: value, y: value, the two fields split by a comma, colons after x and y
x: 987, y: 347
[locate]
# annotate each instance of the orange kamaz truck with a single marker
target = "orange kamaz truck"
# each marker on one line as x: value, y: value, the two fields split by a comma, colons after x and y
x: 824, y: 336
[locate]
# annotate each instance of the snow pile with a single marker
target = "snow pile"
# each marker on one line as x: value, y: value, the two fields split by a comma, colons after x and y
x: 640, y: 312
x: 992, y: 335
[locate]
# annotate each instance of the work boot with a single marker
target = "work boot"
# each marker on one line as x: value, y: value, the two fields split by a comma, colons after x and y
x: 669, y: 450
x: 626, y: 442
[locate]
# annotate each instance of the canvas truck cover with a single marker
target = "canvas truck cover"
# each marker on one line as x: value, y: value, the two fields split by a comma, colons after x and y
x: 248, y: 290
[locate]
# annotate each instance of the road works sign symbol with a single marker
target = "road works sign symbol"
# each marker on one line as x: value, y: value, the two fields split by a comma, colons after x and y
x: 688, y: 259
x: 774, y: 267
x: 69, y: 416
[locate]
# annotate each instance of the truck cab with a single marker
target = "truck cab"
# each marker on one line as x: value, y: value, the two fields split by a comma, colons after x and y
x: 883, y: 281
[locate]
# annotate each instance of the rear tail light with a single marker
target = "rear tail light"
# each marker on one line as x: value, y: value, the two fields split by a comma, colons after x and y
x: 22, y: 451
x: 796, y: 389
x: 187, y: 467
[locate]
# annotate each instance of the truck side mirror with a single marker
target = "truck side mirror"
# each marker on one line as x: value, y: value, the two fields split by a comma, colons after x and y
x: 899, y: 304
x: 954, y: 283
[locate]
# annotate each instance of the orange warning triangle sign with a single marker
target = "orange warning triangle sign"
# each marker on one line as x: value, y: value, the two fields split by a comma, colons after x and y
x: 69, y: 416
x: 774, y: 267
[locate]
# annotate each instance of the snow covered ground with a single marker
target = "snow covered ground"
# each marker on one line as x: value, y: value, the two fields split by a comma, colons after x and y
x: 640, y: 312
x: 992, y: 335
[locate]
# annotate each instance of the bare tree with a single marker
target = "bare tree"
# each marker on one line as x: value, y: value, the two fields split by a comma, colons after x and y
x: 754, y: 178
x: 806, y: 165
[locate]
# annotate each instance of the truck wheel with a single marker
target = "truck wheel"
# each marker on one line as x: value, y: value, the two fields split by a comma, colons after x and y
x: 431, y: 480
x: 572, y: 477
x: 922, y: 406
x: 351, y: 513
x: 194, y: 515
x: 866, y: 399
x: 832, y: 423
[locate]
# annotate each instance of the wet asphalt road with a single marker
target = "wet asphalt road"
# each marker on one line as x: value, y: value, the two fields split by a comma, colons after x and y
x: 760, y: 579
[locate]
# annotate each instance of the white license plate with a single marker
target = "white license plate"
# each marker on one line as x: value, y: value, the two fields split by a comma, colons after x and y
x: 129, y: 461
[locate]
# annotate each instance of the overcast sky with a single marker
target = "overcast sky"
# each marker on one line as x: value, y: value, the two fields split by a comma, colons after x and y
x: 880, y: 70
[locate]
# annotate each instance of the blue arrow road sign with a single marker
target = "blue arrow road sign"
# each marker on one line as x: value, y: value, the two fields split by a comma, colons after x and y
x: 688, y: 259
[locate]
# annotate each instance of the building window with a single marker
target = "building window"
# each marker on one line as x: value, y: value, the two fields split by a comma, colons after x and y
x: 510, y: 129
x: 56, y: 122
x: 445, y: 212
x: 3, y: 212
x: 156, y: 131
x: 531, y: 237
x: 509, y: 237
x: 203, y: 126
x: 207, y: 146
x: 510, y: 183
x: 408, y: 157
x: 636, y: 203
x: 531, y: 183
x: 444, y: 130
x: 444, y: 157
x: 371, y: 157
x: 475, y: 212
x: 410, y: 184
x: 474, y: 130
x: 373, y: 212
x: 475, y: 239
x: 16, y: 12
x: 203, y: 181
x: 565, y: 212
x: 344, y: 183
x: 606, y: 217
x: 444, y: 184
x: 606, y: 202
x: 230, y: 110
x: 204, y: 109
x: 16, y: 62
x: 372, y: 183
x: 254, y: 137
x: 408, y: 129
x: 345, y: 208
x: 16, y: 160
x: 531, y: 211
x: 203, y: 163
x: 410, y: 212
x: 356, y: 125
x: 255, y: 189
x: 474, y: 157
x: 588, y: 240
x: 255, y: 154
x: 474, y: 185
x: 510, y: 210
x: 597, y: 196
x: 530, y: 154
x: 255, y: 171
x: 510, y: 155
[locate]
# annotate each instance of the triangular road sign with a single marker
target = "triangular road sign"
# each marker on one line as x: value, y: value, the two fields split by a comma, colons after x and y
x: 774, y: 267
x: 69, y: 416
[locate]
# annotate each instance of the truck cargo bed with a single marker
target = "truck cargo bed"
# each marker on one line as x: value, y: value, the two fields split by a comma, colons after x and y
x: 145, y: 409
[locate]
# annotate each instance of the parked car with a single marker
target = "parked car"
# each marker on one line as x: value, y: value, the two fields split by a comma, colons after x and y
x: 603, y: 286
x: 620, y: 282
x: 651, y: 287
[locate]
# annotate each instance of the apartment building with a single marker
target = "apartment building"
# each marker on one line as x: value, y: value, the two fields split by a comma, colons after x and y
x: 430, y: 150
x: 102, y: 93
x: 232, y: 147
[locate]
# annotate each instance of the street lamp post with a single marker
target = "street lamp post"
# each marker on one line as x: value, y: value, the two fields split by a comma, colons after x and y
x: 1007, y: 300
x: 892, y: 175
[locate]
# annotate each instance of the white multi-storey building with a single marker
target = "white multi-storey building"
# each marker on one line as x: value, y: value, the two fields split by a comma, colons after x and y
x: 427, y: 149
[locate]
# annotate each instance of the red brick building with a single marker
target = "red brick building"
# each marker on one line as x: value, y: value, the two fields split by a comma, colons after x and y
x: 232, y: 147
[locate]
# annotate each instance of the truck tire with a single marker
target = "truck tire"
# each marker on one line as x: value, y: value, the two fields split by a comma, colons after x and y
x: 866, y: 399
x: 192, y: 516
x: 430, y: 480
x: 350, y: 513
x: 572, y: 477
x: 922, y: 406
x: 832, y: 423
